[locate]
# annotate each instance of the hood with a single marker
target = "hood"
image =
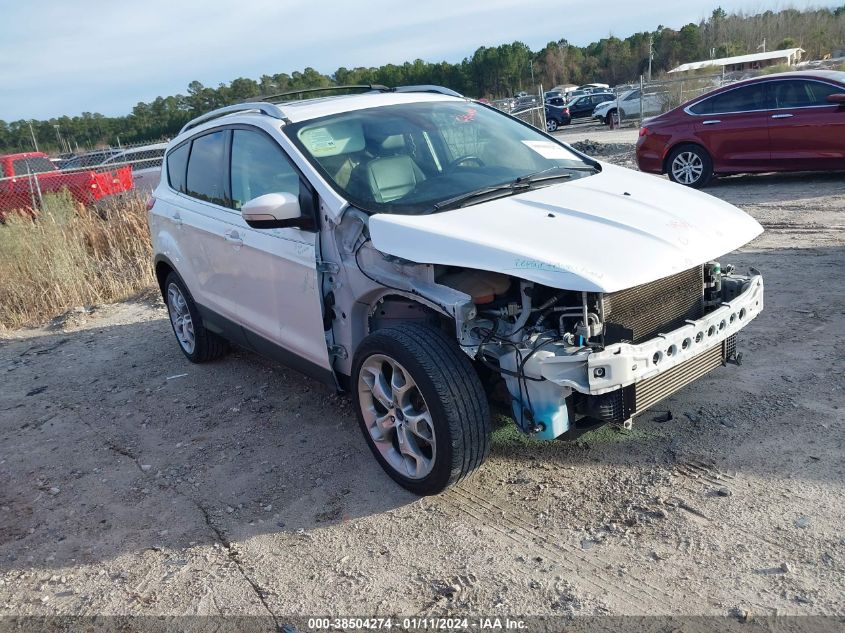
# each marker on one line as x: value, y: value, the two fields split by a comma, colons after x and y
x: 601, y: 233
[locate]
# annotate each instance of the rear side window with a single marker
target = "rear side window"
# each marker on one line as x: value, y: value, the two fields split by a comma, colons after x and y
x: 259, y: 166
x: 177, y: 166
x: 206, y: 169
x: 745, y: 99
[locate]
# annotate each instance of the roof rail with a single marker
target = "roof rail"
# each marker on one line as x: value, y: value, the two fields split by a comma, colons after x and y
x: 290, y: 93
x: 265, y: 108
x: 427, y: 88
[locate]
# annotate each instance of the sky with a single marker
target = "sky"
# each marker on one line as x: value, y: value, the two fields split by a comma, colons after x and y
x: 64, y: 57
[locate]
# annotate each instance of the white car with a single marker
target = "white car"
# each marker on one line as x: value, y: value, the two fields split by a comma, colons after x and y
x: 422, y: 251
x: 145, y: 161
x: 628, y: 106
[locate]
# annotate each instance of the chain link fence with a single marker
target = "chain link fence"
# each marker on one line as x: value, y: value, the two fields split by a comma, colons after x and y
x: 33, y: 182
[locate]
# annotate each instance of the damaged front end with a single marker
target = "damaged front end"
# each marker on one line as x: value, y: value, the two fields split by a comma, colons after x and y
x: 573, y: 360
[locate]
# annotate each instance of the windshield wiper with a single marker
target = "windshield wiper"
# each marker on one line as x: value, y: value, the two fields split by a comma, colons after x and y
x: 520, y: 185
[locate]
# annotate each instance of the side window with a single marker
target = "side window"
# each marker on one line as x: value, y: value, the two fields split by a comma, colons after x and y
x: 177, y: 166
x: 801, y: 93
x: 206, y: 179
x: 745, y: 99
x: 259, y: 166
x: 633, y: 95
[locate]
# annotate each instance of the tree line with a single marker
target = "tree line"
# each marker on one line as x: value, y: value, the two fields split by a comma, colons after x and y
x: 491, y: 72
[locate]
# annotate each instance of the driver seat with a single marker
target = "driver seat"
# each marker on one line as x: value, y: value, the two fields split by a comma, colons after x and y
x: 390, y: 175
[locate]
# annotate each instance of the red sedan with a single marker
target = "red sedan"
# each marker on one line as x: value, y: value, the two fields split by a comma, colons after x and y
x: 782, y: 122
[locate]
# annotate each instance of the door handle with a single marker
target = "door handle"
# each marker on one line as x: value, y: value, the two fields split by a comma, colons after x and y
x: 782, y: 116
x: 711, y: 122
x: 233, y: 237
x: 177, y: 219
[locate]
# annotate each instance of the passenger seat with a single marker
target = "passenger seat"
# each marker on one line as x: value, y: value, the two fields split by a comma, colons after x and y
x: 389, y: 177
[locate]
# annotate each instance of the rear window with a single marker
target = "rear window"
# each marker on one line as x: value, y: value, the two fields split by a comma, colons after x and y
x: 32, y: 165
x: 177, y: 166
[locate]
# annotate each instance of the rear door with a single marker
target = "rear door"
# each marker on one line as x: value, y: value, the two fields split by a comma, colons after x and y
x: 734, y: 128
x: 806, y: 131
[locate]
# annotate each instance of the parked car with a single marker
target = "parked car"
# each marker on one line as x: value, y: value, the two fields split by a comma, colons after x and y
x: 25, y: 177
x: 556, y: 116
x: 89, y: 159
x: 629, y: 106
x: 423, y: 250
x: 782, y: 122
x: 583, y: 106
x: 145, y: 162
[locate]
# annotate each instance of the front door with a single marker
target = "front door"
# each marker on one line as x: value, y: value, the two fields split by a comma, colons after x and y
x: 806, y: 131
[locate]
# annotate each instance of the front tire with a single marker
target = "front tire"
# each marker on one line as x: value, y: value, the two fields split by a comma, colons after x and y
x: 197, y: 344
x: 421, y: 407
x: 690, y: 165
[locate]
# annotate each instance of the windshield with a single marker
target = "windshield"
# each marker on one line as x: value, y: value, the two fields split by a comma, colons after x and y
x: 414, y: 158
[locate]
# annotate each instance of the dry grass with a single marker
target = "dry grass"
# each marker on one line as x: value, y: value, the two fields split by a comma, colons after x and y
x: 71, y: 256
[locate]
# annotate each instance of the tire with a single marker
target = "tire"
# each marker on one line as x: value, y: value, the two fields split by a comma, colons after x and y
x: 551, y: 125
x: 434, y: 428
x: 609, y: 118
x: 197, y: 344
x: 689, y: 165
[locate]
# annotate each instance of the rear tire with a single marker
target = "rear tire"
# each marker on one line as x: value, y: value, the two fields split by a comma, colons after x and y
x: 551, y: 125
x: 421, y: 407
x: 197, y: 343
x: 689, y: 165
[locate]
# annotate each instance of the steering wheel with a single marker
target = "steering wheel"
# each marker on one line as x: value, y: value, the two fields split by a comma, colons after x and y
x: 466, y: 158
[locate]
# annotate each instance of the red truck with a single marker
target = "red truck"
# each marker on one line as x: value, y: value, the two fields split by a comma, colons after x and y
x: 26, y: 177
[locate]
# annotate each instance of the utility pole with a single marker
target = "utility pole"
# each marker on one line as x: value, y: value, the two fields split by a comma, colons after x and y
x: 763, y: 45
x: 32, y: 134
x: 650, y: 54
x: 531, y: 66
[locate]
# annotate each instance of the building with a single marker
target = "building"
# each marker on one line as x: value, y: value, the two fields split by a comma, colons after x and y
x: 755, y: 61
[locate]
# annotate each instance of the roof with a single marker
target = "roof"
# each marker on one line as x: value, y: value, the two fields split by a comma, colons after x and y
x: 738, y: 59
x: 24, y: 155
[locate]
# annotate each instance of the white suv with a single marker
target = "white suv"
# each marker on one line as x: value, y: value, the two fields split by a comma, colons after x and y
x: 431, y: 255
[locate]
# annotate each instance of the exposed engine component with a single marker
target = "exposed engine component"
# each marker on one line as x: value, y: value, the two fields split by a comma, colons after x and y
x: 539, y: 340
x: 484, y: 287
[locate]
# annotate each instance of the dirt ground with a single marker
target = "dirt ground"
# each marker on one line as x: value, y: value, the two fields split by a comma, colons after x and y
x: 132, y: 482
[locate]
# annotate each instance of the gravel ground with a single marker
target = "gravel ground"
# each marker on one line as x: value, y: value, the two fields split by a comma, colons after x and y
x: 132, y: 482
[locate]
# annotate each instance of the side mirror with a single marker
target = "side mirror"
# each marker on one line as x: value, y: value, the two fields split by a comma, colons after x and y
x: 838, y: 97
x: 272, y: 211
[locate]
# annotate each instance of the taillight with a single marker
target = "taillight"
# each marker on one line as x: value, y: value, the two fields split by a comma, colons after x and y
x: 566, y: 110
x: 643, y: 131
x: 151, y: 203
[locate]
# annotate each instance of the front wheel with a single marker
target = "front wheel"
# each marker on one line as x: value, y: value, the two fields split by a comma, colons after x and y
x: 421, y: 407
x: 690, y: 165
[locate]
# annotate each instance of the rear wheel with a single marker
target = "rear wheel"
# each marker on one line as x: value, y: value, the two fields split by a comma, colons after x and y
x: 551, y: 125
x: 690, y: 165
x: 198, y: 344
x: 421, y: 407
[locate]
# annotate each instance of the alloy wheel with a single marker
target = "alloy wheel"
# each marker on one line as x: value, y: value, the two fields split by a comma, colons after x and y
x: 396, y: 416
x: 180, y: 317
x: 687, y: 168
